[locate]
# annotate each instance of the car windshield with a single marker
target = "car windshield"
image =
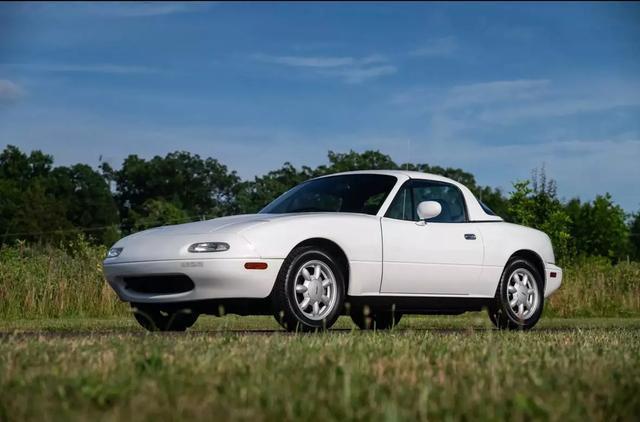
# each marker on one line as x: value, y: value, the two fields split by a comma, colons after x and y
x: 355, y: 193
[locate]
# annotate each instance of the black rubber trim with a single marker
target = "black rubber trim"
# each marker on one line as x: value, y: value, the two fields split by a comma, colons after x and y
x: 422, y: 305
x: 159, y: 284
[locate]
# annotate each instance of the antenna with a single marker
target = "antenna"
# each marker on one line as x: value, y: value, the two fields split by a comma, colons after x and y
x: 406, y: 166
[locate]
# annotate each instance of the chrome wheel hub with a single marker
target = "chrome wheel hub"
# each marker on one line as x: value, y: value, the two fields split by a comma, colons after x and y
x: 522, y: 293
x: 315, y: 290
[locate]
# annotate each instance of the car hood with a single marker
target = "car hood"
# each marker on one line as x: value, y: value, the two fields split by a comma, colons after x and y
x: 172, y: 242
x: 236, y: 222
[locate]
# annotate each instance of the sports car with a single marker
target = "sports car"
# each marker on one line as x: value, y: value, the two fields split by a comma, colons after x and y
x: 374, y: 245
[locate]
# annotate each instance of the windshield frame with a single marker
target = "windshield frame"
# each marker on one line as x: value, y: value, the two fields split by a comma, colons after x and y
x: 391, y: 178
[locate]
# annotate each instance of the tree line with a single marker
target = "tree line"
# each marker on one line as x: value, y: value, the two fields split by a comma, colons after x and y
x: 43, y: 203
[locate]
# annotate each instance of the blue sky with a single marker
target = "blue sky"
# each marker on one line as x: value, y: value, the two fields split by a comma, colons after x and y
x: 496, y: 89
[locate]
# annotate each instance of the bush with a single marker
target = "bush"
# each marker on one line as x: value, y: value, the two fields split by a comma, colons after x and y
x: 596, y: 287
x: 46, y: 281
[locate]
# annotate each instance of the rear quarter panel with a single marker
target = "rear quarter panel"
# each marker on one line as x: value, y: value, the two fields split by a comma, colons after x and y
x: 502, y: 240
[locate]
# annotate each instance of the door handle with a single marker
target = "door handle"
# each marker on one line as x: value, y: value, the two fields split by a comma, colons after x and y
x: 470, y: 236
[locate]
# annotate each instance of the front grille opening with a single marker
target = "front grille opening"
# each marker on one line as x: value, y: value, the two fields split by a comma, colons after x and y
x: 159, y: 284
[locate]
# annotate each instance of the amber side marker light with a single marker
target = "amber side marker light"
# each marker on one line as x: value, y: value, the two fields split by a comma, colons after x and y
x: 255, y: 265
x: 551, y: 274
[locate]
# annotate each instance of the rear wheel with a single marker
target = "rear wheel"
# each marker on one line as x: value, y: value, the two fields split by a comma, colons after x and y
x: 154, y: 318
x: 309, y: 290
x: 519, y: 298
x: 375, y: 320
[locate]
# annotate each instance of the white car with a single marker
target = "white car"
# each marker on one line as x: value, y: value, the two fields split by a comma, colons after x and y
x: 371, y: 244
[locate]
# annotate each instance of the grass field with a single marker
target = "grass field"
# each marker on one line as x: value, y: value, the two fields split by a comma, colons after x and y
x: 69, y: 350
x: 244, y: 368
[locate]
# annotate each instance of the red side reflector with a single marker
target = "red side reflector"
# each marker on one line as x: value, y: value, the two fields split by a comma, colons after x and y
x: 553, y: 274
x: 255, y: 265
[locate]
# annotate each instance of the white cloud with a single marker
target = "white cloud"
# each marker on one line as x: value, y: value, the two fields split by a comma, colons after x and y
x: 119, y: 9
x: 142, y: 9
x: 320, y: 62
x: 581, y: 167
x: 508, y: 102
x: 316, y: 62
x: 438, y: 47
x: 10, y: 91
x: 496, y: 91
x: 358, y: 75
x: 107, y: 68
x: 350, y: 69
x: 463, y: 126
x: 476, y: 94
x: 555, y: 108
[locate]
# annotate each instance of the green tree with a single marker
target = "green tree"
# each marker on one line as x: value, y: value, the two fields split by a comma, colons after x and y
x: 599, y: 228
x: 158, y: 212
x: 40, y: 216
x: 254, y: 195
x: 28, y: 208
x: 537, y: 206
x: 17, y: 173
x: 39, y: 202
x: 199, y: 187
x: 521, y: 204
x: 494, y: 199
x: 352, y: 161
x: 88, y: 201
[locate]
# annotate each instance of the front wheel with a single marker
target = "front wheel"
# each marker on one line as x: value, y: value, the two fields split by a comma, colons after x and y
x: 519, y: 298
x: 309, y: 290
x: 154, y: 318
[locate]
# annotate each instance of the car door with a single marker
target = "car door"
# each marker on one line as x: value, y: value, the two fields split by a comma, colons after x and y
x: 442, y: 256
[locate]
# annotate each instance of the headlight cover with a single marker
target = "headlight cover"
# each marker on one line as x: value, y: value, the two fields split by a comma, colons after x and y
x: 114, y: 252
x: 209, y: 247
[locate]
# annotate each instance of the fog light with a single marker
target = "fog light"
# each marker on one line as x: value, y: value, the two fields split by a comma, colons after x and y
x: 209, y: 247
x: 114, y: 252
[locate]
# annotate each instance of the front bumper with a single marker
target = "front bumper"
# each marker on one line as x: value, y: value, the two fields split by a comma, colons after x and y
x: 216, y: 278
x: 552, y: 283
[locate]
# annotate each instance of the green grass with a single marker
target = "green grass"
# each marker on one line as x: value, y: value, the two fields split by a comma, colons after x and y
x: 69, y: 350
x: 46, y: 282
x: 236, y: 368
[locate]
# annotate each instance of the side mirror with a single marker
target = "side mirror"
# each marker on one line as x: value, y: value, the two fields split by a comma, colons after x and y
x: 429, y: 209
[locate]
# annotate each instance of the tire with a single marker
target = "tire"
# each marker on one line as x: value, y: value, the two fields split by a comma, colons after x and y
x: 375, y: 320
x: 154, y: 318
x: 298, y: 280
x: 519, y: 299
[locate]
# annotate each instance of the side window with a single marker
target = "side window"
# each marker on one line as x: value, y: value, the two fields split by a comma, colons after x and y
x: 373, y: 203
x: 448, y: 196
x: 401, y: 208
